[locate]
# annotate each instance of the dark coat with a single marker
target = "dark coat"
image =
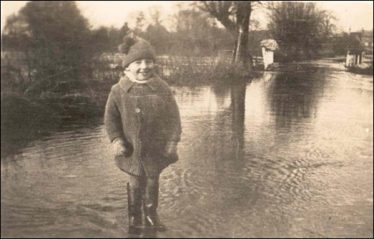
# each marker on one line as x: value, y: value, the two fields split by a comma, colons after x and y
x: 146, y: 117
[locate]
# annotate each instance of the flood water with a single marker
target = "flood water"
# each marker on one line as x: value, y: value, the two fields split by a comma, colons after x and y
x: 286, y: 155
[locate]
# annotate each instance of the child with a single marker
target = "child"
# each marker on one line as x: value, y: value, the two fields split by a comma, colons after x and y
x: 143, y: 123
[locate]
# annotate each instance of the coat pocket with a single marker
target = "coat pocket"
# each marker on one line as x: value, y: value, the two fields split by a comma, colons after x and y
x: 129, y: 150
x: 168, y: 159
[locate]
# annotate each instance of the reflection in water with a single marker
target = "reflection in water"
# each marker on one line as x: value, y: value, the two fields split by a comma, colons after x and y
x: 221, y: 91
x: 238, y: 91
x: 281, y: 156
x: 292, y: 99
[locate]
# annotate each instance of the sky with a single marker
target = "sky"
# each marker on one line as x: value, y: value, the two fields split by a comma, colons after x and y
x: 351, y: 15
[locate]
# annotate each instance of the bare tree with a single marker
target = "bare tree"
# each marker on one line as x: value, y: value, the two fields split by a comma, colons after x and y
x: 235, y: 17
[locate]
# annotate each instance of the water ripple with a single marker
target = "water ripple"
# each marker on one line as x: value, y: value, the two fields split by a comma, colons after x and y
x: 298, y: 155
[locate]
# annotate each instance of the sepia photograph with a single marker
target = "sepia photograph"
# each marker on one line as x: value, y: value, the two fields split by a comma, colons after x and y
x: 186, y: 119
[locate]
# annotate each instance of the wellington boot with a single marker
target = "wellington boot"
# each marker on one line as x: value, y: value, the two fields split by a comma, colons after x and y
x: 134, y: 207
x: 150, y: 209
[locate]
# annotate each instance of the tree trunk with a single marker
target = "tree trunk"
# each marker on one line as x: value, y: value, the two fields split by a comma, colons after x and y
x: 243, y: 14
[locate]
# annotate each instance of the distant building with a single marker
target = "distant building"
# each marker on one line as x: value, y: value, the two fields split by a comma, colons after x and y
x: 268, y: 48
x: 356, y: 55
x: 366, y: 40
x: 354, y: 58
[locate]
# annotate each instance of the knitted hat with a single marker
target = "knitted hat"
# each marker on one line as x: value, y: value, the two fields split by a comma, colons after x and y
x: 134, y: 48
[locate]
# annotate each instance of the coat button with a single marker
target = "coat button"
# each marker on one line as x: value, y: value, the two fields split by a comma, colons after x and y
x: 137, y: 110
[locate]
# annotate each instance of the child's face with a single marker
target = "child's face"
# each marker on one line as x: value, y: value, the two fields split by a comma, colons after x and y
x: 141, y: 69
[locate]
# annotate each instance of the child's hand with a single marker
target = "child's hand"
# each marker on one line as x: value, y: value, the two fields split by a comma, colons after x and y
x: 171, y: 148
x: 119, y: 147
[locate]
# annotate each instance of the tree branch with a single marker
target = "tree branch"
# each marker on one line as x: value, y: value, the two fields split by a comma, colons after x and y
x: 221, y: 10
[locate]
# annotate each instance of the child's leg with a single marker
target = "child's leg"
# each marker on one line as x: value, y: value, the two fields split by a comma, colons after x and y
x: 151, y: 191
x: 151, y: 203
x: 135, y: 189
x: 136, y: 181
